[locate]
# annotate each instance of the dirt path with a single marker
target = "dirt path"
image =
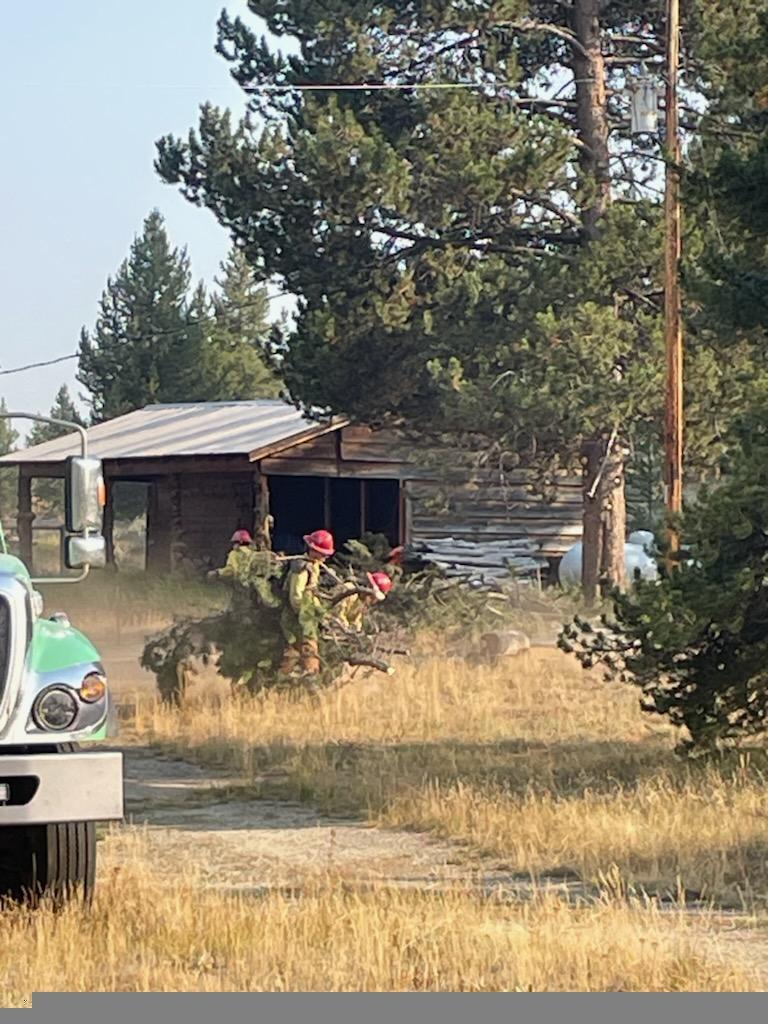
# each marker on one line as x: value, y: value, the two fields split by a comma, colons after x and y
x: 235, y: 842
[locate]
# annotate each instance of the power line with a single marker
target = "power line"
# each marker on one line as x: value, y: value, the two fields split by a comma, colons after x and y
x: 376, y: 86
x: 35, y: 366
x: 233, y: 311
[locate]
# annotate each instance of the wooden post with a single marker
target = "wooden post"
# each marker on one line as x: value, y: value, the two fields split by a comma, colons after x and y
x: 25, y: 517
x: 327, y: 512
x: 158, y: 526
x: 109, y: 524
x: 363, y: 507
x: 263, y: 502
x: 406, y: 514
x: 674, y: 419
x: 178, y: 547
x: 263, y: 524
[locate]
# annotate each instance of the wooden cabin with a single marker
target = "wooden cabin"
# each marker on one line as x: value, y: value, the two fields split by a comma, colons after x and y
x: 195, y: 472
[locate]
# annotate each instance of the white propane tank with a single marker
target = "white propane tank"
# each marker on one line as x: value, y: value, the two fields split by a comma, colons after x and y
x: 644, y: 538
x: 636, y: 559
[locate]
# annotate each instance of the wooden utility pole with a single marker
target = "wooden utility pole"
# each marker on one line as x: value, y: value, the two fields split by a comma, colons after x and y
x: 673, y: 448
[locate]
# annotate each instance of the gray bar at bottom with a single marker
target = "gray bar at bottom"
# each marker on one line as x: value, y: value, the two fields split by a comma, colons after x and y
x: 424, y: 1008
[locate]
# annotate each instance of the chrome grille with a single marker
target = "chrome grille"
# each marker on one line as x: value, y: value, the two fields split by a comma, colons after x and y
x: 5, y: 643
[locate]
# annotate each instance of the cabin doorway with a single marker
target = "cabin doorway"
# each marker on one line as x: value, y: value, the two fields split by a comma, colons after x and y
x: 346, y: 506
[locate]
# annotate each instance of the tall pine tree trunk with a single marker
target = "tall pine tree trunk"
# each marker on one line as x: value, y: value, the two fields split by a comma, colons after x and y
x: 603, y: 546
x: 614, y: 496
x: 592, y: 522
x: 604, y: 518
x: 591, y: 111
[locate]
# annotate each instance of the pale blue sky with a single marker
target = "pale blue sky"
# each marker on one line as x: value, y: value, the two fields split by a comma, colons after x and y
x: 87, y: 87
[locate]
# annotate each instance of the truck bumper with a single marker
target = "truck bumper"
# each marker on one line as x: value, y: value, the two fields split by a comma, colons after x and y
x: 43, y: 789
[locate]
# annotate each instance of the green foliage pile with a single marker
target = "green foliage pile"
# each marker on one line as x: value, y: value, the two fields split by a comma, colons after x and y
x: 696, y: 642
x: 245, y: 640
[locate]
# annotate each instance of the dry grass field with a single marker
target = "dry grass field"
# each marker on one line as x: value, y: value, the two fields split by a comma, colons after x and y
x: 534, y: 768
x: 144, y: 937
x: 535, y: 762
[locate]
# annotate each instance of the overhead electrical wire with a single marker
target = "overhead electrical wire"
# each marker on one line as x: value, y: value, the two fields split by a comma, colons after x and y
x: 375, y: 86
x: 35, y: 366
x: 233, y: 311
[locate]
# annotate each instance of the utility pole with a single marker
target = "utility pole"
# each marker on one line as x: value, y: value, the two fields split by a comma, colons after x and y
x: 673, y: 333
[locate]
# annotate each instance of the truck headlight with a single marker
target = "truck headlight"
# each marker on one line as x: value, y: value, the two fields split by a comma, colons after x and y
x: 55, y: 709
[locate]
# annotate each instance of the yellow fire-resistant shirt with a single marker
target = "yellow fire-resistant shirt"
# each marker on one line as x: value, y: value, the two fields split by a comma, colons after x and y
x: 302, y: 584
x: 352, y: 612
x: 237, y: 559
x: 303, y: 610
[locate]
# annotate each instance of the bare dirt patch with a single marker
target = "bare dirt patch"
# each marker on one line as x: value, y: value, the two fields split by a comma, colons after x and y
x: 208, y: 820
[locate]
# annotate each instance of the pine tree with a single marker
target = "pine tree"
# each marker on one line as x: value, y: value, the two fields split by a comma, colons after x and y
x: 695, y: 642
x: 48, y: 495
x: 63, y: 408
x: 459, y: 256
x: 235, y: 362
x: 727, y: 186
x: 145, y: 347
x: 9, y: 474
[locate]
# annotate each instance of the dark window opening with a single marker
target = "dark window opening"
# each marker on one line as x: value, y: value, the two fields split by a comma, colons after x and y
x: 346, y: 509
x: 382, y: 508
x: 297, y: 504
x: 345, y: 506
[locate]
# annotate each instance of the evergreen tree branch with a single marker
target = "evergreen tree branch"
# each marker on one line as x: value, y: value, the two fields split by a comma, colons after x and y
x: 548, y: 28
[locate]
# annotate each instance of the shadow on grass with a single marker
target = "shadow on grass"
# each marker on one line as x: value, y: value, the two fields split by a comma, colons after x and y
x: 357, y: 778
x: 361, y: 781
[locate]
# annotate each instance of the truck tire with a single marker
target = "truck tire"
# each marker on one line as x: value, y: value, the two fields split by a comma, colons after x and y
x: 54, y: 862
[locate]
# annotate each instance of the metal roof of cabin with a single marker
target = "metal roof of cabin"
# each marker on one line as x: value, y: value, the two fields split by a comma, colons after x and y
x: 256, y: 429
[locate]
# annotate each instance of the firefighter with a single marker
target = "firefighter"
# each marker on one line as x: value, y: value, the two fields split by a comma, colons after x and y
x: 352, y: 610
x: 240, y: 554
x: 304, y: 609
x: 395, y: 566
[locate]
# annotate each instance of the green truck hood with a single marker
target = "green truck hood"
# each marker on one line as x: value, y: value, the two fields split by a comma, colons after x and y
x: 12, y: 566
x: 57, y: 645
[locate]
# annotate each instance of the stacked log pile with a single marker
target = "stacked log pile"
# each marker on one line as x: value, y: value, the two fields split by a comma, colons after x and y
x: 485, y: 563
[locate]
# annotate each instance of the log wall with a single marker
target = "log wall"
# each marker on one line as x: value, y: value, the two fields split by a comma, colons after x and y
x: 450, y: 495
x: 208, y: 509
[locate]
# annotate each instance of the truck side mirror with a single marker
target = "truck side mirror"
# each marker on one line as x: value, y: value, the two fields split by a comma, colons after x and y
x: 85, y: 494
x: 90, y: 551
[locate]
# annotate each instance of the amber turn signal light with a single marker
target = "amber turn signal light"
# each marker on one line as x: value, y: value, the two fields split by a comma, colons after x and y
x: 93, y: 688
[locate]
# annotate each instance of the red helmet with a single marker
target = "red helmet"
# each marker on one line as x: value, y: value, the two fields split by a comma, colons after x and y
x: 320, y: 541
x: 380, y: 581
x: 241, y: 537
